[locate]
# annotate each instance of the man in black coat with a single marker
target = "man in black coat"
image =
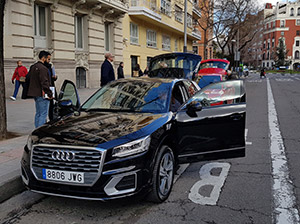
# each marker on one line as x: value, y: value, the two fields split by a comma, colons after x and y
x: 120, y: 71
x: 107, y: 70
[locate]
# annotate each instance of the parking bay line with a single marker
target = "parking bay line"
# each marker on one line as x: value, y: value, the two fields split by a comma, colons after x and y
x: 283, y: 192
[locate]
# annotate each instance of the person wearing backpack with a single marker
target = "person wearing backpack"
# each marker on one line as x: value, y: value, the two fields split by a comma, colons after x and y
x: 18, y: 78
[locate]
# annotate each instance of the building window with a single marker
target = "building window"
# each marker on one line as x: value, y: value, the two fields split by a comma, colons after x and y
x: 178, y: 13
x: 282, y: 23
x: 274, y: 24
x: 78, y: 32
x: 267, y: 64
x: 297, y: 43
x: 189, y: 20
x: 264, y: 55
x: 165, y: 7
x: 107, y: 36
x: 166, y: 43
x: 41, y: 25
x: 296, y: 54
x: 298, y: 32
x: 298, y: 11
x: 268, y: 45
x: 176, y: 45
x: 264, y: 44
x: 282, y: 33
x: 268, y: 56
x: 151, y: 38
x: 292, y: 12
x: 297, y: 22
x: 273, y: 42
x: 134, y: 33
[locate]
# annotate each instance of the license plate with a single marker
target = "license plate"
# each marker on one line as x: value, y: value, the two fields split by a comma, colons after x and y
x: 64, y: 176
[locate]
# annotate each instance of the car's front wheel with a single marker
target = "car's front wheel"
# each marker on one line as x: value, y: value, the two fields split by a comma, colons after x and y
x: 163, y: 175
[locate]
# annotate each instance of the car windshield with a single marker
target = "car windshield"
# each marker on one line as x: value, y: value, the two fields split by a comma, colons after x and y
x: 175, y: 61
x: 214, y: 64
x: 131, y: 95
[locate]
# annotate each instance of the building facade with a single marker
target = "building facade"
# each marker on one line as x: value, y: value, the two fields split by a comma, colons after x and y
x: 203, y: 14
x: 154, y: 27
x: 282, y: 21
x: 77, y: 33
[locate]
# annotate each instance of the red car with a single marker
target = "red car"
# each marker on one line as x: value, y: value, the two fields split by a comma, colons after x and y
x: 212, y: 70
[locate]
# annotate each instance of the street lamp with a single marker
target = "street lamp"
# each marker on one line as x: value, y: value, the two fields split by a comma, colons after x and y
x: 233, y: 41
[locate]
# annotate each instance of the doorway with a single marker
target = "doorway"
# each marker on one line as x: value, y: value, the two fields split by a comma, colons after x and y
x: 134, y: 61
x: 80, y: 78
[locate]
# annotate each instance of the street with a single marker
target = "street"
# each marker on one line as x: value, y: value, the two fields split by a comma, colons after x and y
x: 226, y: 191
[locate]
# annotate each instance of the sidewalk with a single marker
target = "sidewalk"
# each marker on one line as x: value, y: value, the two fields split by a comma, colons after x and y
x: 20, y: 116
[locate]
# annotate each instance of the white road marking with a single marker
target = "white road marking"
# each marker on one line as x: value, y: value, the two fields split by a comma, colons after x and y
x: 209, y: 180
x: 254, y: 80
x: 246, y: 134
x: 284, y: 79
x: 283, y: 192
x: 180, y: 171
x: 298, y: 79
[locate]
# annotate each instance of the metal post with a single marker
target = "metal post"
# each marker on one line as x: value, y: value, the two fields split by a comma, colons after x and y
x: 185, y: 26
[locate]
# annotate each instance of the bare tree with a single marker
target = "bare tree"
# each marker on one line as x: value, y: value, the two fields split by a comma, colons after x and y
x: 235, y: 22
x: 3, y: 118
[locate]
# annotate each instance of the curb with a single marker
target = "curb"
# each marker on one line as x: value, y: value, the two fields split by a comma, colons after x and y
x: 11, y: 187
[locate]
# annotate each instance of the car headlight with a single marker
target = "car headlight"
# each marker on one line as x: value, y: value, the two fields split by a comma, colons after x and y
x: 131, y: 148
x: 29, y: 143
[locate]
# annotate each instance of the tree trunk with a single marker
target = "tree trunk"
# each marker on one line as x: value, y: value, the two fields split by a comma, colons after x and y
x: 3, y: 118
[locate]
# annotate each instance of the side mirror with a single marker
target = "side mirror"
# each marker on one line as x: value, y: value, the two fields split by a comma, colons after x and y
x: 65, y: 103
x: 193, y: 107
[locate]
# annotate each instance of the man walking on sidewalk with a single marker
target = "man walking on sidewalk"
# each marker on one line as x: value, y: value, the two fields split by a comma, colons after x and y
x: 20, y: 76
x: 39, y: 88
x: 107, y: 70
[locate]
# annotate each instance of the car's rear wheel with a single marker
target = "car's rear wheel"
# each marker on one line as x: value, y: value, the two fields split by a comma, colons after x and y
x: 163, y: 175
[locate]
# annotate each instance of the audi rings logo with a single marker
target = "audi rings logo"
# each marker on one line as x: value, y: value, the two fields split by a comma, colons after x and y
x: 61, y: 155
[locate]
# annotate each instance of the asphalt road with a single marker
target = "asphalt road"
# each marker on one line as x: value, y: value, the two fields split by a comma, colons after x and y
x: 231, y: 191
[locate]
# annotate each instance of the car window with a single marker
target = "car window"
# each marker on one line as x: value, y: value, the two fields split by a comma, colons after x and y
x: 190, y: 87
x: 69, y: 93
x: 221, y: 93
x: 178, y: 97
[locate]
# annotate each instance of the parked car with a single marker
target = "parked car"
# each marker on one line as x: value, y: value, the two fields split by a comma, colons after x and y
x: 128, y: 138
x: 175, y: 65
x: 212, y: 70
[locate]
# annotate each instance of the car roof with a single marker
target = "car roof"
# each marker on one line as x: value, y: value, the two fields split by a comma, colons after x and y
x: 208, y: 60
x: 195, y: 56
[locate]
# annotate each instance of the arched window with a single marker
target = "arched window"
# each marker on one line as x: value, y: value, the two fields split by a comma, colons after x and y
x: 298, y: 11
x: 292, y: 12
x: 296, y: 54
x: 80, y: 77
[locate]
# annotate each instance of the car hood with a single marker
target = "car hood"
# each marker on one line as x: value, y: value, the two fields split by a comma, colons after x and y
x: 99, y: 129
x: 209, y: 71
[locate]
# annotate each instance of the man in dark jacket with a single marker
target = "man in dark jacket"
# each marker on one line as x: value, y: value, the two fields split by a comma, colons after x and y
x: 121, y: 71
x: 53, y: 78
x: 39, y: 88
x: 107, y: 70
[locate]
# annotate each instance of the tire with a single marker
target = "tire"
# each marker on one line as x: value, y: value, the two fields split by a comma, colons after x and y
x: 163, y: 175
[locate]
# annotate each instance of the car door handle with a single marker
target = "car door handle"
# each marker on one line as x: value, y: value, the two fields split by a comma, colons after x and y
x: 236, y: 117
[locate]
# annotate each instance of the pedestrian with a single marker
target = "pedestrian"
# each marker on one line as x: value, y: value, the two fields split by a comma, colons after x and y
x: 20, y: 77
x: 262, y: 73
x: 121, y: 71
x: 137, y: 72
x: 146, y: 71
x: 53, y: 78
x: 39, y: 88
x: 107, y: 70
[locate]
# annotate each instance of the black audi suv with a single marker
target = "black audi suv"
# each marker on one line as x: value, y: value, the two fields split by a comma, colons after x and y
x: 129, y: 136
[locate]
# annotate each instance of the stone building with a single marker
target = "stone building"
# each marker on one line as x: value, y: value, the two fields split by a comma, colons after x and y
x: 76, y: 32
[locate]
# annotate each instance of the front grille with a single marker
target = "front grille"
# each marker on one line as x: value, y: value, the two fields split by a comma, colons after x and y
x: 87, y: 160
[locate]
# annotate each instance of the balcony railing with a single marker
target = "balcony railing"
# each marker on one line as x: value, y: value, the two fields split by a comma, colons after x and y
x: 150, y: 4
